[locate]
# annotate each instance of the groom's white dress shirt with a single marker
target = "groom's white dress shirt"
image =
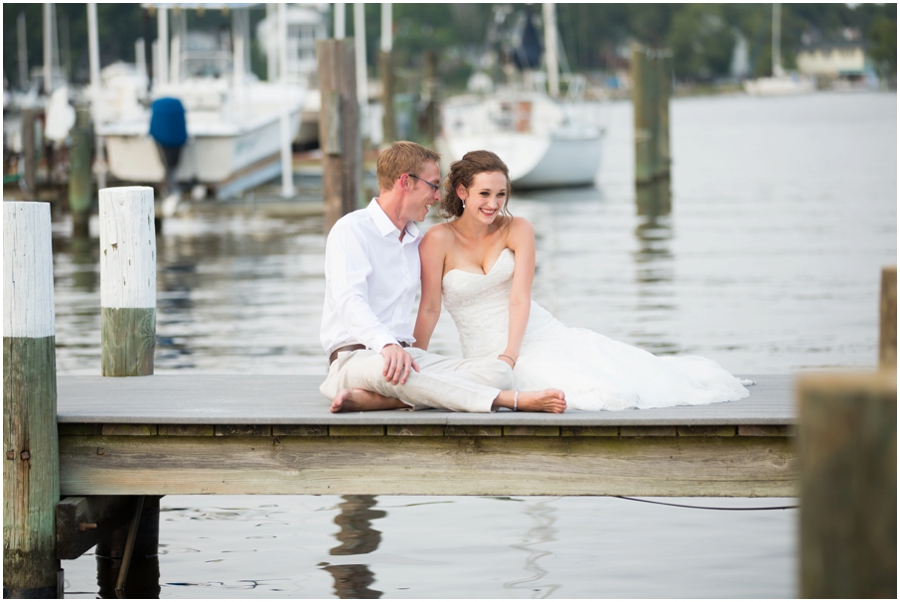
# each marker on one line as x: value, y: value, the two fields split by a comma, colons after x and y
x: 372, y: 281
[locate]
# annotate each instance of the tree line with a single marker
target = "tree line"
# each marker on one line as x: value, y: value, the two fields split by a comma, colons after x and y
x: 701, y: 36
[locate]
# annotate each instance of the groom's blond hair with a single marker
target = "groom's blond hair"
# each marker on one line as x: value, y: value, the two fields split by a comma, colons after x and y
x: 400, y: 158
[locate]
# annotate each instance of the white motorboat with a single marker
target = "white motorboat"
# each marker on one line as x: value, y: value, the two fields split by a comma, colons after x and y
x: 545, y: 143
x: 232, y: 144
x: 239, y: 129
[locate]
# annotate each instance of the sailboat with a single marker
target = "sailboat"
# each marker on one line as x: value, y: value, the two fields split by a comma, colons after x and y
x: 781, y: 83
x: 545, y: 141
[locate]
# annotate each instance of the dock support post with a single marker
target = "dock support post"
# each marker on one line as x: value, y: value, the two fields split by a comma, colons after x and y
x: 339, y: 129
x: 31, y: 469
x: 887, y: 341
x: 29, y: 150
x: 142, y: 579
x: 127, y: 281
x: 430, y: 96
x: 651, y: 88
x: 386, y: 65
x: 848, y: 485
x: 80, y: 180
x: 848, y: 482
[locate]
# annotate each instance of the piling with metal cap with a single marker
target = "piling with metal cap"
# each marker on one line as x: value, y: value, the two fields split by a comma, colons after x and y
x: 127, y: 281
x: 31, y: 468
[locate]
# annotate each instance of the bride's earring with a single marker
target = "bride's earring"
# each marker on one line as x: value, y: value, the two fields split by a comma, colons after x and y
x: 464, y: 203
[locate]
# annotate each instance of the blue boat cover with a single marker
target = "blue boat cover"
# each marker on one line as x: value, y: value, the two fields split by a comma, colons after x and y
x: 167, y: 122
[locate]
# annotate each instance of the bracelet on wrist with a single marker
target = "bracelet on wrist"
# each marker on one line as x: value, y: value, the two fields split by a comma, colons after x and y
x: 509, y: 358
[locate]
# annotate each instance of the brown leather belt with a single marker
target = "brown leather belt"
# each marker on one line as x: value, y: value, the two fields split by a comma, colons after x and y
x: 354, y: 347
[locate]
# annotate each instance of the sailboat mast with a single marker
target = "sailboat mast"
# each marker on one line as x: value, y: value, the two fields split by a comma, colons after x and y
x: 550, y: 47
x: 777, y: 70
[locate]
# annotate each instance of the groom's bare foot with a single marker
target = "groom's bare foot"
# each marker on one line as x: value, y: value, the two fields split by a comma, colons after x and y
x: 548, y: 400
x: 360, y: 400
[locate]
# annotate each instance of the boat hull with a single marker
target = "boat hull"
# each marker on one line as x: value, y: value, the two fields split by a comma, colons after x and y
x: 206, y: 158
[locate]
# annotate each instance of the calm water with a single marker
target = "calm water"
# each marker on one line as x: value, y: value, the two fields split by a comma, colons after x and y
x: 783, y: 213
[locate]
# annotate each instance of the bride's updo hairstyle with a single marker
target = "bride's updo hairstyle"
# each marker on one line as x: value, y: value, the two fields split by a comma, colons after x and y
x: 463, y: 172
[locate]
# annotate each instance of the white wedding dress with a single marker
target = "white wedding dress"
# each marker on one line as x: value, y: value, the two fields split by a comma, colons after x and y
x: 595, y: 372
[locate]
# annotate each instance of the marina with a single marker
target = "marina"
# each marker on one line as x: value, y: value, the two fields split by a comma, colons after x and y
x: 178, y: 433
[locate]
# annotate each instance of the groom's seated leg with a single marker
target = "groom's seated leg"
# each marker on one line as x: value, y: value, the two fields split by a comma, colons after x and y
x: 455, y: 390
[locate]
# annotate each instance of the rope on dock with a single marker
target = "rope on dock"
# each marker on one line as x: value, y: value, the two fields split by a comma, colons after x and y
x: 634, y: 499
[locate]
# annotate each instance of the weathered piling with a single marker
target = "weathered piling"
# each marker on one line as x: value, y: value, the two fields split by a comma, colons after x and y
x: 430, y: 96
x: 29, y: 149
x: 848, y: 485
x: 651, y: 90
x: 127, y: 281
x: 388, y: 120
x: 339, y: 129
x: 887, y: 340
x: 31, y: 471
x: 81, y: 189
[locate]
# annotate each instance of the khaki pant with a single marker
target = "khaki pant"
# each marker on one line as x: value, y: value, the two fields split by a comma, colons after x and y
x: 460, y: 385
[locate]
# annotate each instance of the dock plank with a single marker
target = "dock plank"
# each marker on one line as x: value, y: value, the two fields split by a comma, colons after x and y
x: 295, y: 400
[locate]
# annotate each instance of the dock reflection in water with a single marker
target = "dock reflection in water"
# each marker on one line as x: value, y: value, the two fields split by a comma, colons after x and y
x: 357, y: 537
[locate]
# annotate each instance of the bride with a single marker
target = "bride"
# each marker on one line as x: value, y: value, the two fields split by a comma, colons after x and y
x: 482, y: 263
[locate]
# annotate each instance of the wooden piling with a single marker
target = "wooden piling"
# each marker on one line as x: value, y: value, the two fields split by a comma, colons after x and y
x: 339, y: 129
x: 31, y: 471
x: 81, y: 190
x: 430, y: 95
x: 848, y: 485
x: 388, y: 121
x: 127, y: 281
x: 887, y: 341
x: 651, y: 89
x: 29, y: 150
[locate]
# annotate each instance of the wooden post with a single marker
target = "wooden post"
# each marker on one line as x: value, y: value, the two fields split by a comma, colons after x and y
x: 80, y: 179
x: 651, y: 74
x: 431, y: 97
x: 29, y: 150
x: 887, y: 341
x: 848, y: 485
x: 643, y: 126
x: 31, y: 471
x: 127, y: 281
x: 142, y: 567
x: 339, y: 129
x: 388, y: 121
x: 664, y: 92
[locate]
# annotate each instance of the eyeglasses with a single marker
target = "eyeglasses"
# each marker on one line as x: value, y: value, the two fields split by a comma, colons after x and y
x: 434, y: 187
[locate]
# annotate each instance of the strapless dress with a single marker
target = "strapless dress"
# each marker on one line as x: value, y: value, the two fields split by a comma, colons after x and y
x: 594, y: 371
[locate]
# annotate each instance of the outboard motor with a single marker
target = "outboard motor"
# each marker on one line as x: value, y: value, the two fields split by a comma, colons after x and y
x: 168, y: 128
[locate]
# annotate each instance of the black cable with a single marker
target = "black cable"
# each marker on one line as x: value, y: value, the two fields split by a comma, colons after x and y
x: 634, y: 499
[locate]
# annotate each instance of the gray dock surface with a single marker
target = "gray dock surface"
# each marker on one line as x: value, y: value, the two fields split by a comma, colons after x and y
x: 283, y: 400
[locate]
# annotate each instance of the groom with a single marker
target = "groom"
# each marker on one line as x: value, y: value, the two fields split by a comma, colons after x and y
x: 371, y: 282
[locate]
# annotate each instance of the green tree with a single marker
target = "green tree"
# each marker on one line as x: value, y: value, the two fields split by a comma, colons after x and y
x: 702, y: 42
x: 882, y: 37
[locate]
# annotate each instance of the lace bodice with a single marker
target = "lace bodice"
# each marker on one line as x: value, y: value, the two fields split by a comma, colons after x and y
x: 479, y: 304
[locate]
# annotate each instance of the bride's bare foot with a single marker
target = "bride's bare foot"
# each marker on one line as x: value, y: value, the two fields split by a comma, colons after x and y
x: 548, y: 400
x: 360, y: 400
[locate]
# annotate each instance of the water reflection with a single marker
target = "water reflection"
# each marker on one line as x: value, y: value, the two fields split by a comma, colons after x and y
x: 654, y: 265
x: 543, y: 532
x: 357, y: 537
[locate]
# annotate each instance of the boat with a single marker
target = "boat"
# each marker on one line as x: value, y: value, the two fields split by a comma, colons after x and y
x: 234, y: 121
x: 781, y: 83
x: 545, y: 141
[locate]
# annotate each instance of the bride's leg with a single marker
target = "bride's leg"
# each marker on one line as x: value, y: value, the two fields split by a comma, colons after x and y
x: 548, y: 400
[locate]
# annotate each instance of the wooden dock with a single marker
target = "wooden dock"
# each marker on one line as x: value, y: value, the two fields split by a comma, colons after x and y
x: 252, y: 434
